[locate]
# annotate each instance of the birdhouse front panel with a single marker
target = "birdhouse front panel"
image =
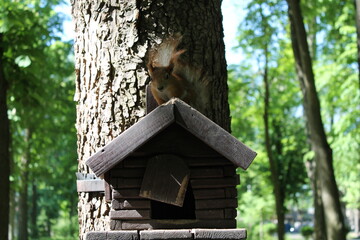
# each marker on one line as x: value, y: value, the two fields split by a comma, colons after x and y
x: 207, y: 200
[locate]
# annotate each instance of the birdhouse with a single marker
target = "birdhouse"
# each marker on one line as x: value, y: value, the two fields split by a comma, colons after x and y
x: 174, y: 169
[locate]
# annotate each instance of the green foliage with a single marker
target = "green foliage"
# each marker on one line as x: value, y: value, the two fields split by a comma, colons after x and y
x: 338, y: 85
x: 307, y: 231
x: 259, y: 35
x: 39, y: 71
x: 332, y: 37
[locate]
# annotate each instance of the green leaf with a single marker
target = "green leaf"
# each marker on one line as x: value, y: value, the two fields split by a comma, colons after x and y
x: 3, y: 26
x: 23, y: 61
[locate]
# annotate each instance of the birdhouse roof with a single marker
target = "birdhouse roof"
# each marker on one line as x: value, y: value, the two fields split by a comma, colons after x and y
x: 174, y: 112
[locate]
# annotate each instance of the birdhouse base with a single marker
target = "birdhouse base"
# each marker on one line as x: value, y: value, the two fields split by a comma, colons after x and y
x: 199, y: 234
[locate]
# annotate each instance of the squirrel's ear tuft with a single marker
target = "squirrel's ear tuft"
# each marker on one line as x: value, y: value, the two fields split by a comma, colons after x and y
x: 150, y: 67
x: 177, y: 54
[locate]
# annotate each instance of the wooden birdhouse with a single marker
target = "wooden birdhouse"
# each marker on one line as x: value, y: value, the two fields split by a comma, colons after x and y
x: 174, y: 169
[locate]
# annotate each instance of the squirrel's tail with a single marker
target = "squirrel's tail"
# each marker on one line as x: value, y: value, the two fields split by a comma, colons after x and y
x: 162, y: 55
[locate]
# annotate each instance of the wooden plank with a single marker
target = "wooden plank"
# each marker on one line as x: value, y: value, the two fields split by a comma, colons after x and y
x: 204, y: 172
x: 108, y: 191
x: 115, y: 224
x: 132, y: 138
x: 130, y: 204
x: 230, y: 213
x: 229, y: 171
x: 130, y: 214
x: 231, y: 192
x: 213, y: 182
x: 126, y: 182
x: 122, y: 235
x: 182, y: 143
x: 165, y: 234
x: 210, y: 214
x: 126, y: 193
x: 127, y: 172
x: 95, y: 235
x: 166, y: 179
x: 135, y: 162
x: 216, y: 203
x: 176, y: 224
x: 209, y: 193
x: 207, y: 161
x: 219, y: 234
x: 213, y: 135
x: 112, y: 235
x: 91, y: 185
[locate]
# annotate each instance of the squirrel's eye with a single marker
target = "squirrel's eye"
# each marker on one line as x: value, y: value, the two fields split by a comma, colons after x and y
x: 166, y: 75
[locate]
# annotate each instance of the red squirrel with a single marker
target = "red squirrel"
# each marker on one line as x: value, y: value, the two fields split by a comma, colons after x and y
x: 172, y: 77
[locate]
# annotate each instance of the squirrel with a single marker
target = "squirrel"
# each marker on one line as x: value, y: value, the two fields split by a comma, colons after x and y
x: 172, y: 77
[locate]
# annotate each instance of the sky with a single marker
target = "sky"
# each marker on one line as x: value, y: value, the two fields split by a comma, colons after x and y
x: 232, y: 16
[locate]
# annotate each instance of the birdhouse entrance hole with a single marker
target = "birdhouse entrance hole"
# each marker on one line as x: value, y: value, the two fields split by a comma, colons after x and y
x: 161, y: 210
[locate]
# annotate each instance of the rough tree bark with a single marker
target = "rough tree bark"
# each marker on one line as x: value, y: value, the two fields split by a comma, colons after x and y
x: 334, y: 221
x: 4, y: 152
x: 111, y: 39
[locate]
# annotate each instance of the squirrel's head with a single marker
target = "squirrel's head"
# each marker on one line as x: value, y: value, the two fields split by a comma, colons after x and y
x: 160, y: 76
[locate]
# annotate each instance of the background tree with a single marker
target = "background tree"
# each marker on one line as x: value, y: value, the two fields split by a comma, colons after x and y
x: 40, y: 110
x: 4, y: 150
x: 335, y: 227
x: 110, y: 46
x: 259, y: 38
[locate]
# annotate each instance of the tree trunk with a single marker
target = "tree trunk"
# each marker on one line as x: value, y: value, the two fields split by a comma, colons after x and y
x: 12, y: 215
x: 4, y: 151
x: 334, y: 221
x: 34, y: 211
x: 312, y: 170
x: 278, y: 190
x: 111, y: 40
x: 23, y: 197
x: 319, y: 219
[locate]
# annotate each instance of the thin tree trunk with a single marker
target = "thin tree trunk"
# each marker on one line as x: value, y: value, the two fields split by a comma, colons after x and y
x: 319, y: 220
x: 4, y: 151
x: 111, y: 41
x: 34, y: 211
x: 12, y: 217
x: 278, y: 191
x: 312, y: 170
x: 320, y: 223
x: 48, y: 226
x: 23, y: 198
x: 335, y: 227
